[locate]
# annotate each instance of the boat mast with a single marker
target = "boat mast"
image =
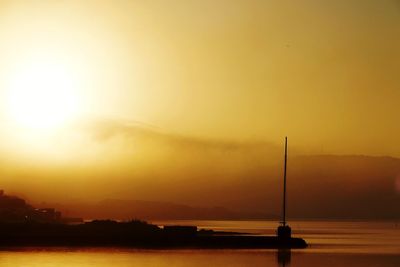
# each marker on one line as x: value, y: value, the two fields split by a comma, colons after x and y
x: 284, y: 186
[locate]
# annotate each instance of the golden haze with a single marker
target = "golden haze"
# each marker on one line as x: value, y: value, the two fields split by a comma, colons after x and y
x: 98, y: 92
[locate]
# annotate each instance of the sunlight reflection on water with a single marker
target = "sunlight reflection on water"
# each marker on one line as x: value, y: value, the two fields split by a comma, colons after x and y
x: 196, y: 258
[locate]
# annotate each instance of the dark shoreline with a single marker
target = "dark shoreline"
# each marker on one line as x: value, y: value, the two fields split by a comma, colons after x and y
x: 133, y: 234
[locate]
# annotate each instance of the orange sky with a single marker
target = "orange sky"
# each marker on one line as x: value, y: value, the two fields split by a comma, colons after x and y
x: 76, y: 75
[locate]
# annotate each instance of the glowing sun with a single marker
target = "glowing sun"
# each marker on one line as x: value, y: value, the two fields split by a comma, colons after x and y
x: 42, y: 96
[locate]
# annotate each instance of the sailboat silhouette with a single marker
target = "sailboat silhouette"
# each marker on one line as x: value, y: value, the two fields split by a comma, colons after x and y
x: 284, y: 231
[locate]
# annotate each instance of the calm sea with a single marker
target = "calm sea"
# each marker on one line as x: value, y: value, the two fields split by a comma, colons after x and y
x: 331, y: 244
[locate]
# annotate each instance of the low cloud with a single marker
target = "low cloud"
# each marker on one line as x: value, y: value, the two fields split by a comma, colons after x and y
x: 142, y: 162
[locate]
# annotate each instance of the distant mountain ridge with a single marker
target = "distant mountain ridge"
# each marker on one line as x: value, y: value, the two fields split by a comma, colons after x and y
x: 319, y: 187
x: 344, y: 187
x: 153, y: 210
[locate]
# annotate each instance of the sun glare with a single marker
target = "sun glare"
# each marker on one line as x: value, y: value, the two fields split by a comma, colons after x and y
x: 42, y: 96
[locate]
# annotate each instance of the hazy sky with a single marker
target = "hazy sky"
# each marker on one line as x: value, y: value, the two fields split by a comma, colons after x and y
x: 326, y: 73
x: 174, y: 100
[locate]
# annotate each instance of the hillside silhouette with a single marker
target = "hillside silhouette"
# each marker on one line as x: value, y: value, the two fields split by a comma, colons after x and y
x: 153, y: 210
x: 317, y: 188
x: 140, y: 171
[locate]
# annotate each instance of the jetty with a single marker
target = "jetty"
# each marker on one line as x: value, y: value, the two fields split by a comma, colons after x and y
x: 29, y: 227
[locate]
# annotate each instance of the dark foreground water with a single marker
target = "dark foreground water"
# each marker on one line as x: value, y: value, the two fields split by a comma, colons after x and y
x: 331, y: 244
